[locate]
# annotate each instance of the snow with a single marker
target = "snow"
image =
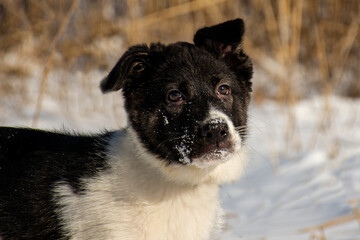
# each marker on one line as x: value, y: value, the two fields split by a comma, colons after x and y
x: 184, y: 152
x: 304, y: 163
x: 314, y: 180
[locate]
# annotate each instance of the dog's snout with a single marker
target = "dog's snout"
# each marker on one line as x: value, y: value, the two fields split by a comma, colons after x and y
x: 215, y: 131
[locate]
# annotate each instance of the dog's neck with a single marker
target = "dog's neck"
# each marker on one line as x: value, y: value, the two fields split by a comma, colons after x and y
x: 152, y: 178
x: 149, y: 200
x: 143, y: 200
x: 126, y: 153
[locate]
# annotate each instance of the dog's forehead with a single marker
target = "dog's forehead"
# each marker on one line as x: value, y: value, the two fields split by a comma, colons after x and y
x: 186, y: 62
x: 193, y: 55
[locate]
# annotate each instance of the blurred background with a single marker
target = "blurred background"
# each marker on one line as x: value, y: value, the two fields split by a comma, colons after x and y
x: 303, y: 47
x: 306, y: 96
x: 54, y: 53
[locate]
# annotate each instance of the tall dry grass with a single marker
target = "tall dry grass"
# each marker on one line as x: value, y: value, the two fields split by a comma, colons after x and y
x: 303, y: 47
x: 300, y: 48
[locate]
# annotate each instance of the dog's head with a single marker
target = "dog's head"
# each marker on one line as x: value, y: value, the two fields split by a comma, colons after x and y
x: 187, y: 102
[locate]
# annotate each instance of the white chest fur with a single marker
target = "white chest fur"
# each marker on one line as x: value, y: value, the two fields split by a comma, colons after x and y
x: 135, y: 200
x: 177, y: 214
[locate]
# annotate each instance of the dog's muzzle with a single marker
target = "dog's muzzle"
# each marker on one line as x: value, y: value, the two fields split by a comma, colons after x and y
x: 215, y: 132
x: 213, y: 137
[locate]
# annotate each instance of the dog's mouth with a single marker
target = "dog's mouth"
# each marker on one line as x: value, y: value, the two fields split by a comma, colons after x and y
x: 213, y: 154
x: 215, y: 148
x: 218, y: 154
x: 210, y: 143
x: 204, y: 155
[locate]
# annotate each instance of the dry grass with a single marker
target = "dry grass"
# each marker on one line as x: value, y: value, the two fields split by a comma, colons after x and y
x: 300, y: 48
x: 319, y: 232
x: 49, y: 62
x: 304, y: 47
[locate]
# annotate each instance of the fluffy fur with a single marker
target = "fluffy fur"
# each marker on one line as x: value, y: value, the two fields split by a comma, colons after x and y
x: 156, y: 179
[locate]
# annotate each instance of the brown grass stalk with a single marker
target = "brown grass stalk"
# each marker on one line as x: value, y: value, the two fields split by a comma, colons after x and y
x: 175, y: 11
x: 49, y: 62
x: 331, y: 223
x: 136, y: 25
x: 347, y: 43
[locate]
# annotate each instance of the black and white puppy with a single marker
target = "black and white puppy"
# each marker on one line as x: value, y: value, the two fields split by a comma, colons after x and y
x: 157, y: 179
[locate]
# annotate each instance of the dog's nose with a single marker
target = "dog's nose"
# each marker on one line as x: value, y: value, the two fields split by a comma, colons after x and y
x: 215, y: 131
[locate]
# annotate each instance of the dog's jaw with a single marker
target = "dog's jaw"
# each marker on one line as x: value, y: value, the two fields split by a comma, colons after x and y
x: 214, y: 168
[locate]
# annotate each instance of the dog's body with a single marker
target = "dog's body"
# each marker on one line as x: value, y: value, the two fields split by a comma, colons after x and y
x: 156, y: 179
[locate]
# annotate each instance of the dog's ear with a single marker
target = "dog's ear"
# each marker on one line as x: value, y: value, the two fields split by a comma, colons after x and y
x: 225, y: 42
x: 130, y: 66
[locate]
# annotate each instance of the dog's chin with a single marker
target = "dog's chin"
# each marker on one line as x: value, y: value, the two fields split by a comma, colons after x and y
x: 212, y: 158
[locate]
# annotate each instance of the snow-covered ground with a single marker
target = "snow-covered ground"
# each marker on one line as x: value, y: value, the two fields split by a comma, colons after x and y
x: 295, y: 184
x: 303, y: 170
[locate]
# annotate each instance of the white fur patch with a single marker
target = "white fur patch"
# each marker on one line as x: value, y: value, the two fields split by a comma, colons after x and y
x: 141, y: 197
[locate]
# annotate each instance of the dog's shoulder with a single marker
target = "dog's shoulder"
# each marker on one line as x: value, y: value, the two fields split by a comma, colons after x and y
x: 32, y: 163
x: 15, y: 139
x: 65, y: 157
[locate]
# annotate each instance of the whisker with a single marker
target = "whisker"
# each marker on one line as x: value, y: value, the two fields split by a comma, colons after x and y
x: 240, y: 128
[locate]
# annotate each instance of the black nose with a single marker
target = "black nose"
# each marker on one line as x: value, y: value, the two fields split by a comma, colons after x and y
x: 215, y: 131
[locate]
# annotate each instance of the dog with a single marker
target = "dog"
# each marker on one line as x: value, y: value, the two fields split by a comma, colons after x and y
x: 156, y: 179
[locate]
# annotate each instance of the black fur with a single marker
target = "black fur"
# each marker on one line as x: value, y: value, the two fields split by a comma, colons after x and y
x: 31, y: 162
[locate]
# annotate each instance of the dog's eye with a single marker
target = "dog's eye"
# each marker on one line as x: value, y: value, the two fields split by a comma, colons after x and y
x: 137, y: 67
x: 224, y: 89
x: 175, y: 96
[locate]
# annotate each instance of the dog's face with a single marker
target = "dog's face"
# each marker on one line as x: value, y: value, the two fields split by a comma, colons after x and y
x: 188, y: 103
